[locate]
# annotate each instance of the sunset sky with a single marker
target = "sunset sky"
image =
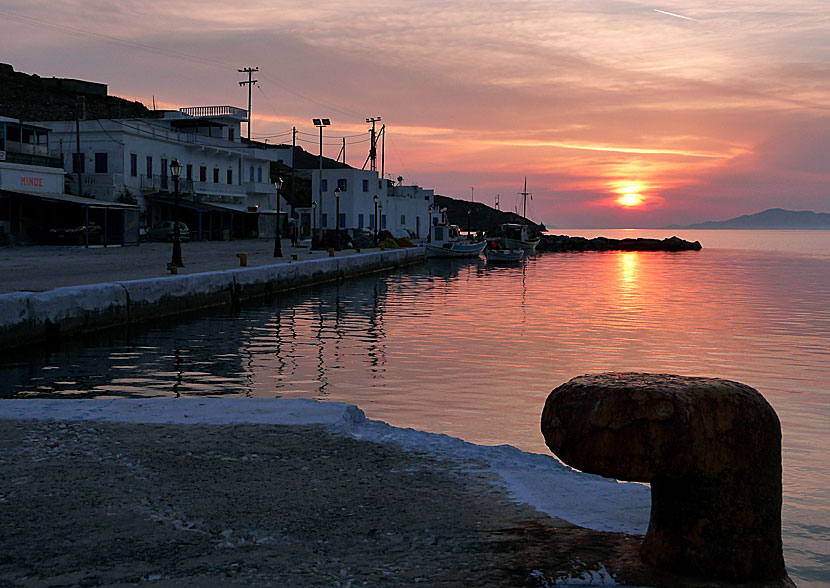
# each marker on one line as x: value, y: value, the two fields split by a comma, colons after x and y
x: 621, y: 113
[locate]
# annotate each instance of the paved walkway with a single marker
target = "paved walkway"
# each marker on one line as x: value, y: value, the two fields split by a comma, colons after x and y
x: 42, y: 267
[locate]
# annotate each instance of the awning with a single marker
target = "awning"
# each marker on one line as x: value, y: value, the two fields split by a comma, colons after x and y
x: 71, y: 199
x: 214, y: 206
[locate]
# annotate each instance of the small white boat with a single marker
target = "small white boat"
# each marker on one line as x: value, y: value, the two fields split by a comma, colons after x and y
x: 504, y: 255
x: 446, y: 241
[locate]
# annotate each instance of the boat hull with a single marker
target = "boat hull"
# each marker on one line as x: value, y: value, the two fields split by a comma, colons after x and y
x: 455, y: 249
x: 504, y: 255
x: 527, y: 245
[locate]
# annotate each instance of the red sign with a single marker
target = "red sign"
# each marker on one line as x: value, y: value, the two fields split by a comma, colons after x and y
x: 31, y: 181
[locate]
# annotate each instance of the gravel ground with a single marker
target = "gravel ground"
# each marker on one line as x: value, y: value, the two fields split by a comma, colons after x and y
x: 88, y: 504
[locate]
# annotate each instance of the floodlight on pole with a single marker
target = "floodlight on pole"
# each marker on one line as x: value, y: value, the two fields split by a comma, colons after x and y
x: 320, y: 123
x: 278, y: 237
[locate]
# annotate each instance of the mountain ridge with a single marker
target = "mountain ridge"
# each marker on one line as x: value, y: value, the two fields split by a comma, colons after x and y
x: 773, y: 219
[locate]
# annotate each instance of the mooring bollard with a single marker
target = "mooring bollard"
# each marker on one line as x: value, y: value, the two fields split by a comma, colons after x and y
x: 243, y: 259
x: 711, y: 450
x: 331, y: 252
x: 294, y: 257
x: 172, y: 269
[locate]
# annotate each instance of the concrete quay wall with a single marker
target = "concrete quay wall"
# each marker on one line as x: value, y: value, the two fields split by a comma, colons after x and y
x: 28, y: 318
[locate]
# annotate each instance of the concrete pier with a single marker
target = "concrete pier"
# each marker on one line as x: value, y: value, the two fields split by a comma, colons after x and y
x: 31, y: 317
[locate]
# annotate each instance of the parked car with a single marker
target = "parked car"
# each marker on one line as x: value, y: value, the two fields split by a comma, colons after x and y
x: 163, y: 231
x: 75, y: 235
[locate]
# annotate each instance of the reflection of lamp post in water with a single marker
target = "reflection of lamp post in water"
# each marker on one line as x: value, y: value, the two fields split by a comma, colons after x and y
x: 278, y: 237
x: 376, y: 217
x: 337, y: 217
x: 176, y: 171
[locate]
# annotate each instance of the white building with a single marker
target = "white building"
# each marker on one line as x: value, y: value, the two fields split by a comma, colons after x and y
x: 225, y: 187
x: 402, y: 210
x: 33, y: 202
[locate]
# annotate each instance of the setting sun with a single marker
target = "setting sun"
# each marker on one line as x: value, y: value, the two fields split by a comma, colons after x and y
x: 632, y: 199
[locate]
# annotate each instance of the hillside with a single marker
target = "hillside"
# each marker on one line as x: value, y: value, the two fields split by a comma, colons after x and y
x: 482, y: 217
x: 771, y: 219
x: 30, y: 97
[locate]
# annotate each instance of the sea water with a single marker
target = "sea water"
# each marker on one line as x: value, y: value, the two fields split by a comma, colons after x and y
x: 473, y: 350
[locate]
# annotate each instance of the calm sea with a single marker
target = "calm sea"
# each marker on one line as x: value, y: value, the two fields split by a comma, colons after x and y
x: 472, y: 351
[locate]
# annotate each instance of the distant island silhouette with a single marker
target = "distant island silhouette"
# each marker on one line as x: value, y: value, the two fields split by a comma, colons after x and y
x: 771, y: 219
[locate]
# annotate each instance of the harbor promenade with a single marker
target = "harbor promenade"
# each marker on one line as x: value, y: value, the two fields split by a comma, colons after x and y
x: 43, y: 267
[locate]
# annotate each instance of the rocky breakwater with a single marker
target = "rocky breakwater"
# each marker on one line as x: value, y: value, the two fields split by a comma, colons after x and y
x: 711, y: 450
x: 566, y: 243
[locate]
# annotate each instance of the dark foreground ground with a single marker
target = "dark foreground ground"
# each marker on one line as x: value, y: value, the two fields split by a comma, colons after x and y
x: 88, y: 504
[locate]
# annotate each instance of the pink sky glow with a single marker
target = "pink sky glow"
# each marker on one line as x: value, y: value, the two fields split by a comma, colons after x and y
x: 621, y: 113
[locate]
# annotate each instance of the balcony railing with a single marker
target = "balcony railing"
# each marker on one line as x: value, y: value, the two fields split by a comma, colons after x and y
x: 215, y: 111
x: 32, y: 159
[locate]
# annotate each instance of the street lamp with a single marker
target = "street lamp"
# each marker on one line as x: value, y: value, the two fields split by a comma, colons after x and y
x: 278, y: 237
x: 337, y: 216
x: 320, y: 123
x: 376, y: 217
x: 429, y: 224
x: 176, y: 171
x: 380, y: 214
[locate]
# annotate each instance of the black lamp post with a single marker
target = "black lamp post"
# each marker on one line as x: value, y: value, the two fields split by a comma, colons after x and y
x: 376, y: 217
x: 429, y: 224
x: 313, y: 216
x: 278, y: 237
x: 380, y: 214
x: 176, y: 171
x: 337, y: 216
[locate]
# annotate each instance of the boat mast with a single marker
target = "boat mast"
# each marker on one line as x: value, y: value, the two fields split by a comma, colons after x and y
x: 524, y: 199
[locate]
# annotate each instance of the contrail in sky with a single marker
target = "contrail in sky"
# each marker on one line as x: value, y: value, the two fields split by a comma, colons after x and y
x: 676, y: 15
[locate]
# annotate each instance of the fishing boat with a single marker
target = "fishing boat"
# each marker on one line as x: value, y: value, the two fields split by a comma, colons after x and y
x: 446, y: 241
x: 516, y: 236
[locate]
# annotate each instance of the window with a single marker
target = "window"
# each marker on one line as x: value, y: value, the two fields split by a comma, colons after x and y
x: 380, y: 184
x: 259, y: 175
x: 215, y: 175
x: 372, y: 221
x: 149, y: 166
x: 403, y: 219
x: 230, y: 176
x: 341, y: 183
x: 324, y: 220
x: 252, y: 175
x: 164, y: 170
x: 383, y: 221
x: 202, y: 173
x: 325, y: 186
x: 100, y: 163
x: 360, y: 221
x: 189, y: 172
x: 365, y: 185
x: 230, y: 136
x: 133, y: 164
x: 342, y: 220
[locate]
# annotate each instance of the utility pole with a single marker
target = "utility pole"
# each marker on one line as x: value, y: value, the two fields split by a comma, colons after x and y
x: 293, y: 181
x: 472, y: 194
x: 80, y: 112
x: 373, y: 145
x: 382, y: 151
x: 250, y: 83
x: 497, y: 202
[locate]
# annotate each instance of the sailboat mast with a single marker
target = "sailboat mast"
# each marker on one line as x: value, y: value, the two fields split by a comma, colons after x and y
x: 524, y: 200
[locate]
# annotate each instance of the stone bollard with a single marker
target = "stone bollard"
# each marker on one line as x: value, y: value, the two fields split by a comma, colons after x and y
x: 711, y: 450
x: 294, y: 257
x: 243, y: 259
x: 172, y: 268
x: 331, y: 252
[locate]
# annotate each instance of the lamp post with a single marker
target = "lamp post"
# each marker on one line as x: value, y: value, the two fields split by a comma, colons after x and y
x: 278, y: 237
x: 375, y: 198
x: 469, y: 212
x: 429, y: 224
x: 337, y: 216
x: 176, y: 171
x: 320, y: 123
x: 380, y: 214
x: 313, y: 217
